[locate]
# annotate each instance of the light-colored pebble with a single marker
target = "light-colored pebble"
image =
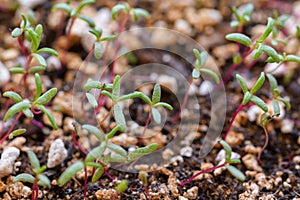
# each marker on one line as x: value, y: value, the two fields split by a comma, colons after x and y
x: 5, y: 76
x: 183, y: 26
x: 191, y: 193
x: 251, y: 163
x: 207, y: 17
x: 57, y: 153
x: 263, y: 182
x: 9, y: 54
x: 287, y: 126
x: 7, y: 161
x: 30, y: 3
x: 205, y: 88
x: 168, y: 82
x: 186, y: 151
x: 167, y: 154
x: 106, y: 194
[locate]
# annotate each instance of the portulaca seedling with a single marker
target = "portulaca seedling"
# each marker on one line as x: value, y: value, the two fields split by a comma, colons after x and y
x: 28, y: 108
x: 242, y: 16
x: 125, y: 7
x: 39, y: 179
x: 228, y: 163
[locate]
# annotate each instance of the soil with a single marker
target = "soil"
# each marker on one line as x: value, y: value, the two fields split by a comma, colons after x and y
x: 279, y: 177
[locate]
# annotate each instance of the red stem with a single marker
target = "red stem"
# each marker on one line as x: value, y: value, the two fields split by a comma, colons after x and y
x: 147, y: 193
x: 241, y: 107
x: 77, y: 145
x: 11, y: 128
x: 21, y: 45
x: 265, y: 145
x: 85, y: 182
x: 35, y: 190
x: 201, y: 172
x: 147, y: 123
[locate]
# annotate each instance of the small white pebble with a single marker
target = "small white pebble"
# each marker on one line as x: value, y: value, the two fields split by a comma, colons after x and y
x: 186, y: 151
x: 287, y: 126
x: 7, y: 161
x: 57, y: 153
x: 205, y: 88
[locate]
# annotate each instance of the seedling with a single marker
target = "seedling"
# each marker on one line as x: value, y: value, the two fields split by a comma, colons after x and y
x: 39, y: 179
x: 228, y: 163
x: 242, y: 16
x: 28, y: 108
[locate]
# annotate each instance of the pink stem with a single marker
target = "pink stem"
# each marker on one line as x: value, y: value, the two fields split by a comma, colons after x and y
x: 77, y: 145
x: 147, y: 123
x: 85, y: 182
x: 185, y: 99
x: 265, y: 145
x: 11, y: 128
x: 201, y: 172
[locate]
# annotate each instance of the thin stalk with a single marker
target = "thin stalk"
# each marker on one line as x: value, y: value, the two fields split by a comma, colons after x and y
x: 201, y: 172
x: 241, y: 107
x: 85, y: 182
x: 265, y: 145
x: 21, y: 45
x: 35, y: 190
x: 11, y: 128
x: 147, y: 123
x: 77, y: 145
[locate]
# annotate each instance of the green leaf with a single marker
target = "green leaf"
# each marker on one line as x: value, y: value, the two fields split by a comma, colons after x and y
x: 96, y: 32
x: 98, y: 50
x: 109, y: 38
x: 39, y: 32
x: 235, y: 161
x: 259, y: 102
x: 116, y: 9
x: 17, y: 70
x: 24, y: 177
x: 69, y: 173
x: 119, y: 117
x: 34, y: 39
x: 240, y: 38
x: 114, y: 131
x: 18, y: 107
x: 49, y: 116
x: 212, y: 74
x: 272, y: 53
x: 139, y: 152
x: 163, y: 104
x: 236, y: 173
x: 286, y: 102
x: 117, y: 149
x: 116, y: 87
x: 156, y: 94
x: 40, y: 59
x: 38, y: 84
x: 276, y: 107
x: 33, y: 159
x: 95, y: 131
x: 88, y: 20
x: 46, y: 97
x: 145, y: 98
x: 258, y: 51
x: 117, y: 158
x: 292, y: 58
x: 234, y: 24
x: 36, y: 69
x: 108, y: 94
x: 62, y: 6
x: 92, y: 100
x: 133, y: 95
x: 267, y: 31
x: 156, y: 115
x: 16, y: 133
x: 27, y: 112
x: 260, y: 81
x: 92, y: 84
x: 40, y: 170
x: 227, y: 149
x: 83, y: 4
x: 264, y: 119
x: 16, y: 32
x: 98, y: 173
x: 247, y: 97
x: 47, y: 50
x: 196, y: 73
x: 93, y: 164
x: 272, y: 81
x: 137, y: 12
x: 242, y: 83
x: 122, y: 186
x: 23, y: 24
x: 96, y: 153
x: 44, y: 181
x: 13, y: 96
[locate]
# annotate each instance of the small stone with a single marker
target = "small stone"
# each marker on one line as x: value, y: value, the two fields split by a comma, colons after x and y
x: 53, y: 63
x: 5, y: 76
x: 263, y: 182
x: 167, y: 154
x: 253, y: 112
x: 273, y: 69
x: 225, y: 51
x: 7, y: 161
x: 296, y: 159
x: 191, y: 193
x: 18, y: 190
x: 233, y: 138
x: 251, y: 163
x: 207, y: 17
x: 251, y: 191
x: 183, y: 26
x: 205, y: 88
x: 18, y: 142
x: 57, y: 153
x: 182, y: 198
x: 31, y: 3
x: 2, y: 186
x: 250, y: 148
x: 124, y: 140
x: 161, y: 38
x: 186, y: 151
x: 106, y: 194
x: 168, y: 82
x: 172, y: 185
x: 9, y: 54
x: 287, y: 126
